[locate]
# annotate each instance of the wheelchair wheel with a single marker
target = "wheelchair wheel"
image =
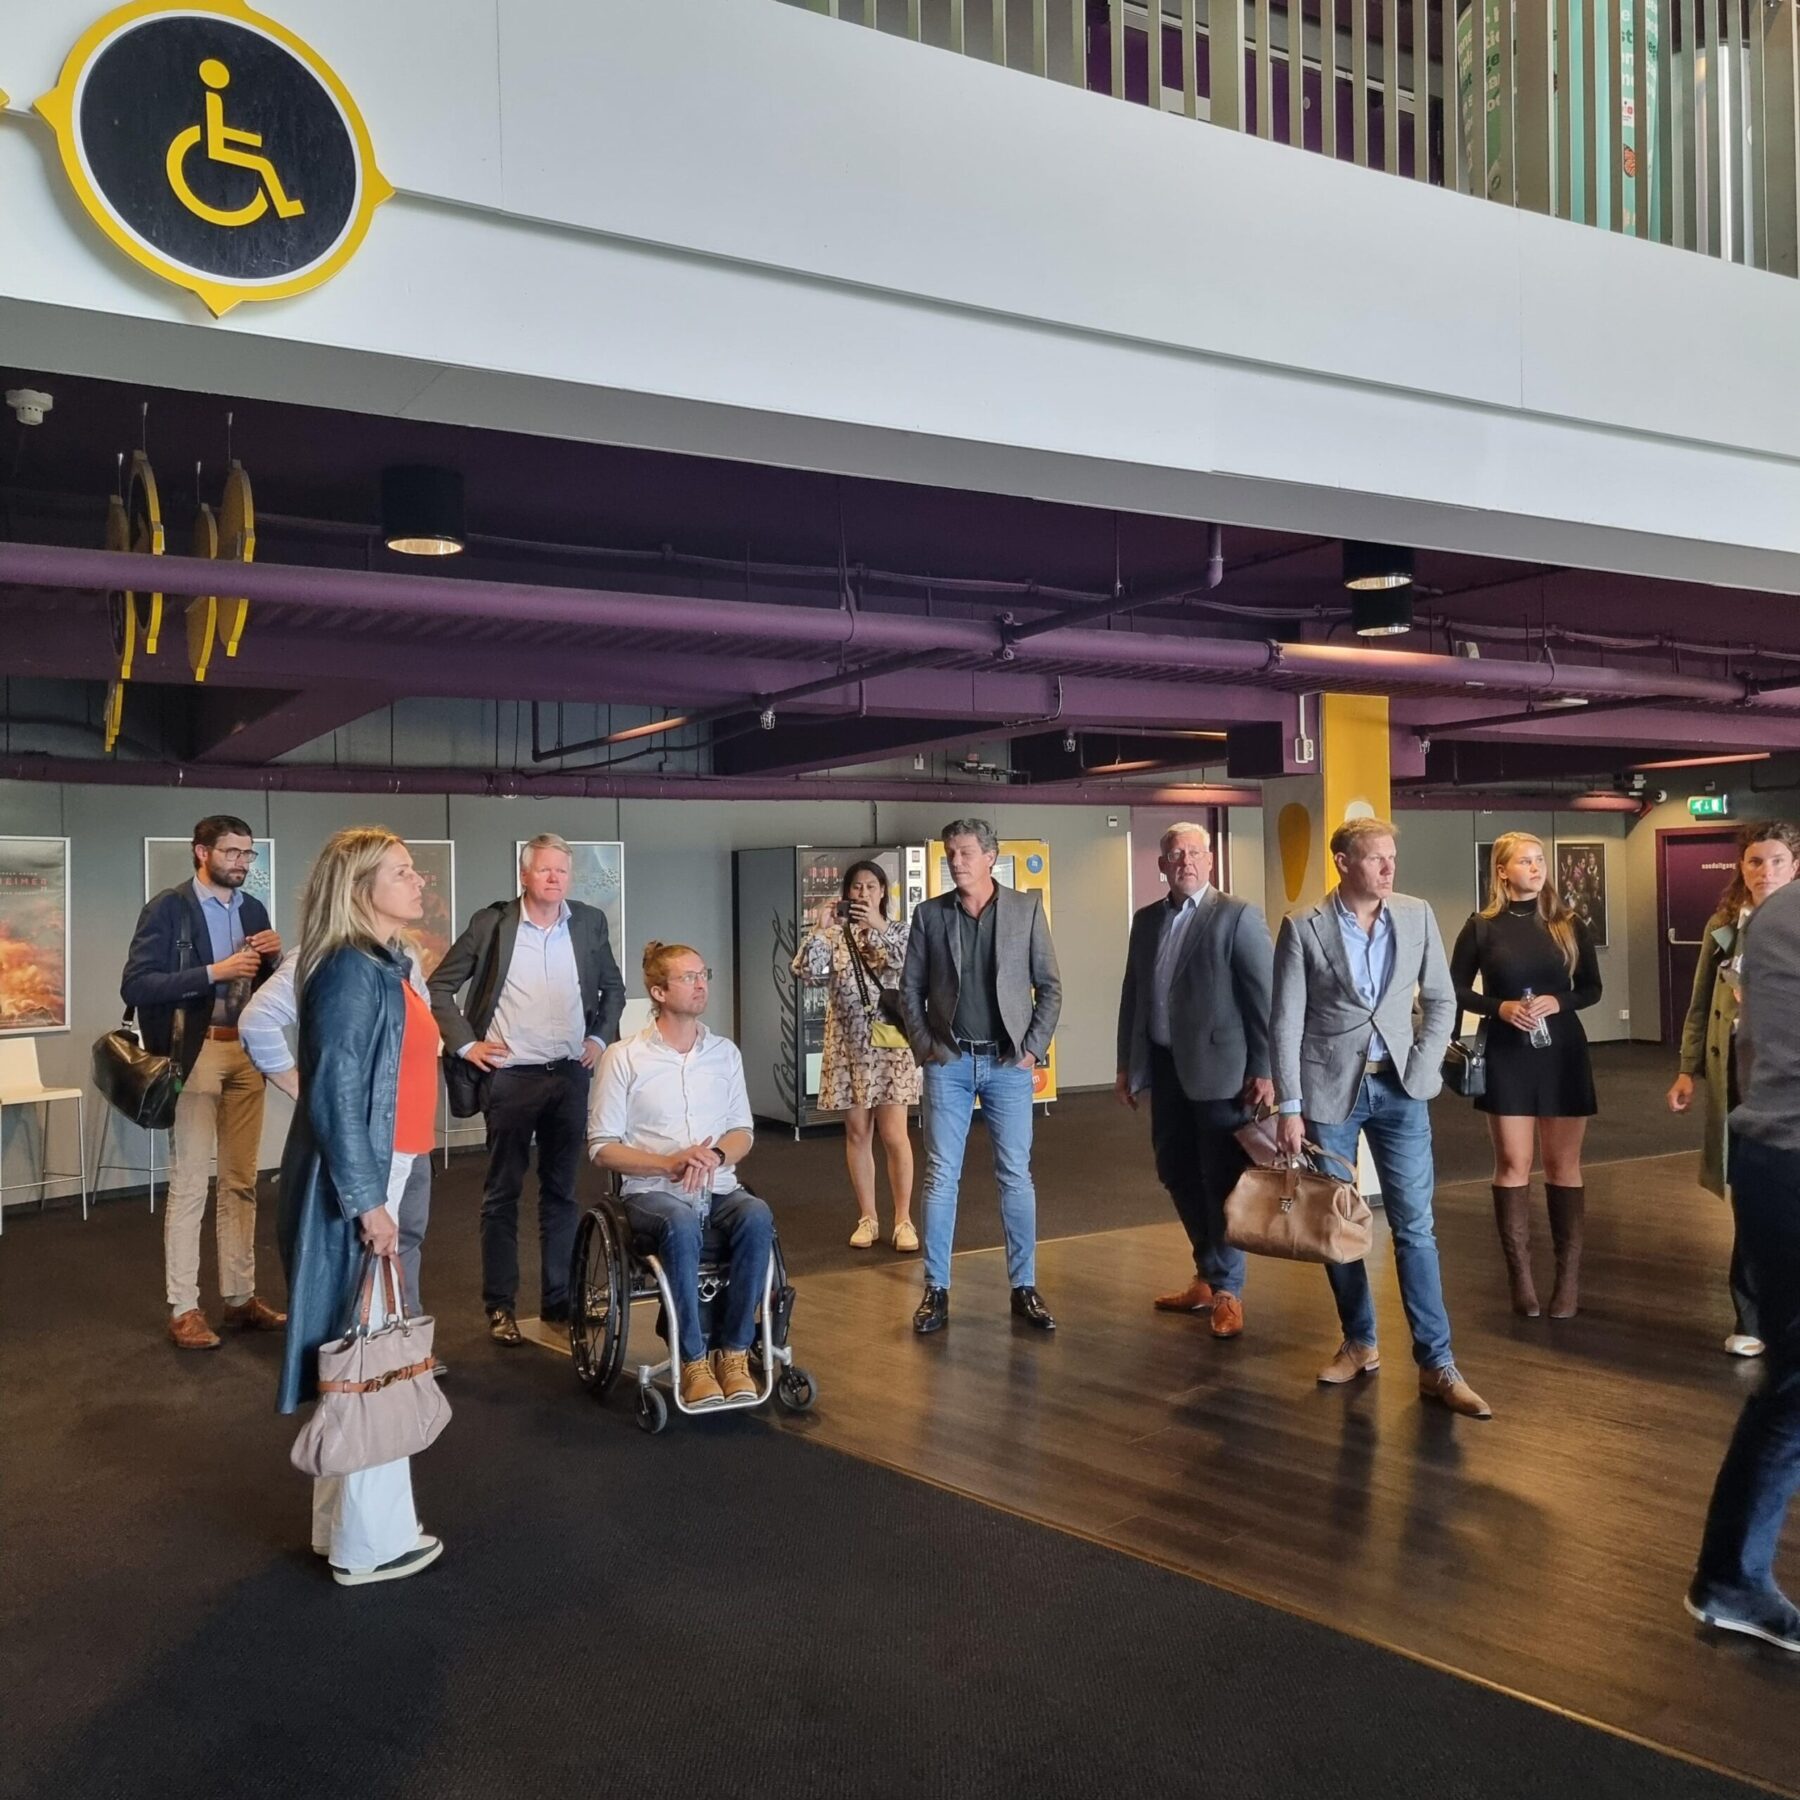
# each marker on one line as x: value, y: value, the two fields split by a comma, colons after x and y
x: 599, y: 1300
x: 652, y: 1410
x: 794, y: 1389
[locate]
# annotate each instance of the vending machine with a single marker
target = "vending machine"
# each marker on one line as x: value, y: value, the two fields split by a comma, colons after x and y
x: 1023, y: 863
x: 780, y: 1020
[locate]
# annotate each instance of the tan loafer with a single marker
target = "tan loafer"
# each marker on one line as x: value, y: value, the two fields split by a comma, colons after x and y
x: 190, y: 1331
x: 1197, y: 1296
x: 699, y: 1386
x: 731, y: 1369
x: 255, y: 1315
x: 868, y: 1229
x: 906, y: 1239
x: 1447, y: 1387
x: 1227, y: 1316
x: 1351, y: 1361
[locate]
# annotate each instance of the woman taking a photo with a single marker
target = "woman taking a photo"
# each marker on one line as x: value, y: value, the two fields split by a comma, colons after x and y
x: 368, y: 1100
x: 1537, y: 969
x: 856, y: 952
x: 1767, y: 854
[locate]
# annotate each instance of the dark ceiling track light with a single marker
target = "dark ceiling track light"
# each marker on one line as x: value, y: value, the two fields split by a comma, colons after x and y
x: 1373, y: 568
x: 422, y: 510
x: 1381, y: 615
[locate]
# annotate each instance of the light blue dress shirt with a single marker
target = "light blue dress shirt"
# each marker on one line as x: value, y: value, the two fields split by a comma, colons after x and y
x: 539, y: 1016
x: 1371, y: 955
x: 1168, y: 951
x: 225, y: 926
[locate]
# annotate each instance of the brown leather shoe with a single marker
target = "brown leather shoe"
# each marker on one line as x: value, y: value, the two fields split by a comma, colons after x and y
x: 731, y: 1369
x: 699, y: 1387
x: 1197, y: 1296
x: 190, y: 1331
x: 1351, y: 1361
x: 1227, y: 1316
x: 255, y: 1315
x: 1447, y: 1387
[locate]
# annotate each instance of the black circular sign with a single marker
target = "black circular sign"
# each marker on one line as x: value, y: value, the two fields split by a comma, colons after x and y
x: 218, y: 147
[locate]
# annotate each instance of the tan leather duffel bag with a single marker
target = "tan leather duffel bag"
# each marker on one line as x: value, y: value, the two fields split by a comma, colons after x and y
x: 1300, y: 1211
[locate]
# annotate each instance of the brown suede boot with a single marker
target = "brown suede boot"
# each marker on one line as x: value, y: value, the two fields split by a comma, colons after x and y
x: 1566, y: 1208
x: 1512, y: 1214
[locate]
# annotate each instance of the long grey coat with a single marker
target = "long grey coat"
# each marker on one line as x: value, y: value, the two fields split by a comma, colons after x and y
x: 1322, y: 1027
x: 1706, y: 1041
x: 1026, y: 978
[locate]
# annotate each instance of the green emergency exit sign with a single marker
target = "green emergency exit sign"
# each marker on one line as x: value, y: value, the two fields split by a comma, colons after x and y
x: 1709, y: 806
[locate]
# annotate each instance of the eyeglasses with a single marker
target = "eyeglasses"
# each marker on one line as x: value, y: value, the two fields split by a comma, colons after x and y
x: 243, y: 856
x: 688, y: 977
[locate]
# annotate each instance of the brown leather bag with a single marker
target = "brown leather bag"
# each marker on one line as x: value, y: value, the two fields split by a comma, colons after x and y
x: 1299, y: 1212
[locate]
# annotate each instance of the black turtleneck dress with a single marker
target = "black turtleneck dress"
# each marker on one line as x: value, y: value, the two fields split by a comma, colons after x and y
x: 1511, y: 952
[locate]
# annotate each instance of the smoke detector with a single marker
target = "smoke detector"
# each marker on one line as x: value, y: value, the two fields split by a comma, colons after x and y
x: 29, y: 404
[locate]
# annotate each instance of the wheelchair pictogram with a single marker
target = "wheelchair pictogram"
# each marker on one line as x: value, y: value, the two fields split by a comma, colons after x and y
x: 235, y: 149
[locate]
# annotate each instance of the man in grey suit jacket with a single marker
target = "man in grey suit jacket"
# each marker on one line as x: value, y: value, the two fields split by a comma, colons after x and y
x: 1194, y: 1030
x: 1363, y: 1012
x: 544, y: 1000
x: 980, y: 994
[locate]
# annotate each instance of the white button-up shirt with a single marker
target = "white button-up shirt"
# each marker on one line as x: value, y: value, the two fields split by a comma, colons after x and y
x: 650, y: 1096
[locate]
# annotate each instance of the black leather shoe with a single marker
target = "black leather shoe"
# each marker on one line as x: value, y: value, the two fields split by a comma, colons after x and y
x: 503, y: 1328
x: 555, y: 1315
x: 1028, y: 1304
x: 934, y: 1311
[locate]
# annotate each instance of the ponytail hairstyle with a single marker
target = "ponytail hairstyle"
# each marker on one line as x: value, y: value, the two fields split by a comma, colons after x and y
x: 657, y: 958
x: 1557, y: 915
x: 1760, y: 831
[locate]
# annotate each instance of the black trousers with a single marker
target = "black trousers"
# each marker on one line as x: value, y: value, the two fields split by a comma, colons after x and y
x: 1198, y: 1160
x: 550, y: 1104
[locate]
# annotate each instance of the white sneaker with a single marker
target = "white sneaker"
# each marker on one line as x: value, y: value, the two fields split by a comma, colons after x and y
x: 421, y: 1556
x: 1740, y: 1345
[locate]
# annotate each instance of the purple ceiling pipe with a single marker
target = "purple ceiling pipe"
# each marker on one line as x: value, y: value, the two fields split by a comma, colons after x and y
x: 735, y: 623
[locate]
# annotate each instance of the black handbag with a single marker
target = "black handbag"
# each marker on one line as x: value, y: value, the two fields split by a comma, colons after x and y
x: 1465, y: 1065
x: 137, y: 1082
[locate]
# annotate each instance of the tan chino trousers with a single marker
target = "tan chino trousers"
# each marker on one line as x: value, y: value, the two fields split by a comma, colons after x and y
x: 221, y: 1108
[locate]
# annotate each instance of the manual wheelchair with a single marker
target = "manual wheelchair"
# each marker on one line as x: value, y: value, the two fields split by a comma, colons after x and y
x: 613, y: 1267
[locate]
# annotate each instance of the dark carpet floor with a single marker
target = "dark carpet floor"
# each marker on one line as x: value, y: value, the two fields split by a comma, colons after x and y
x: 722, y: 1610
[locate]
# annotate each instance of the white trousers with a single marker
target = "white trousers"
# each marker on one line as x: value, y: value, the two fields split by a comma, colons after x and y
x: 364, y: 1520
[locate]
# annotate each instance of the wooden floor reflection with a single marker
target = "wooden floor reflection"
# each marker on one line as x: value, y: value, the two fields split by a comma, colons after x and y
x: 1545, y: 1551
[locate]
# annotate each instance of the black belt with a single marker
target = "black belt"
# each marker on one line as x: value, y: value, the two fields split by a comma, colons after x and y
x: 977, y: 1045
x: 1381, y: 1065
x: 549, y: 1068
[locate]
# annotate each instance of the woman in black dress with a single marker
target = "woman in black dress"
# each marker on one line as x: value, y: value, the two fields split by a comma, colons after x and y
x: 1526, y: 941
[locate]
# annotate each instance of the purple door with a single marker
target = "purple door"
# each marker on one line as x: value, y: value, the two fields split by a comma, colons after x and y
x: 1694, y: 869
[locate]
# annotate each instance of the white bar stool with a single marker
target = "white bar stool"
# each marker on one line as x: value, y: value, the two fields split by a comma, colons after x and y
x: 21, y: 1084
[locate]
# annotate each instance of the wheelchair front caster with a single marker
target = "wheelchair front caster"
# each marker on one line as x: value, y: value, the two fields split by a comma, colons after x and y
x: 794, y: 1390
x: 652, y: 1410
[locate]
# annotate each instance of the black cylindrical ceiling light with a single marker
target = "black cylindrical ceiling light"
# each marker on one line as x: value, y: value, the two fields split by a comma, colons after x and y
x: 1381, y: 615
x: 1371, y: 568
x: 422, y: 510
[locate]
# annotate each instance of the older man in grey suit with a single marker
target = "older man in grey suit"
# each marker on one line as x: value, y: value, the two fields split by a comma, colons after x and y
x: 1194, y: 1031
x: 1363, y: 1012
x: 980, y: 994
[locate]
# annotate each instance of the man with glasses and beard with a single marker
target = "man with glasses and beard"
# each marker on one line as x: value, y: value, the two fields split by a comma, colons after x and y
x: 200, y: 950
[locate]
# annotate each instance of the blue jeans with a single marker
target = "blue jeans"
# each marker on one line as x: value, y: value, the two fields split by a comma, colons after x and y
x: 1004, y: 1090
x: 1761, y: 1471
x: 1398, y: 1128
x: 673, y: 1220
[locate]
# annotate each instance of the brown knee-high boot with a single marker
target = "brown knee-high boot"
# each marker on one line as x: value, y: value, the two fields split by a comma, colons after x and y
x: 1566, y: 1207
x: 1512, y: 1214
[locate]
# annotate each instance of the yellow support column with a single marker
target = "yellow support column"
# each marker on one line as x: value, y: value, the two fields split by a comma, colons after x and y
x: 1349, y: 779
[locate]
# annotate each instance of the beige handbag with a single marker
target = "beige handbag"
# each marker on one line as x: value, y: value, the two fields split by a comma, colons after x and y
x: 1300, y: 1212
x: 378, y: 1394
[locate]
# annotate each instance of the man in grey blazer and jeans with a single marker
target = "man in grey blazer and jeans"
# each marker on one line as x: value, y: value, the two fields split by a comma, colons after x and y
x: 1194, y: 1031
x: 1364, y: 1009
x: 980, y: 995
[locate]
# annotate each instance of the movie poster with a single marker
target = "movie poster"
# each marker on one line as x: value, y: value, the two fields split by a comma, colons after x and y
x: 435, y: 859
x: 170, y: 861
x: 1581, y: 880
x: 599, y: 880
x: 34, y: 935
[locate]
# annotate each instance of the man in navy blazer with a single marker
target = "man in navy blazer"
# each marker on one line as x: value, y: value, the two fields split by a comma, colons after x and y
x: 200, y: 950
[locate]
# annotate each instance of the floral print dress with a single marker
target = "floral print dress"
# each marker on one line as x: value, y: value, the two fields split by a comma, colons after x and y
x: 854, y: 1072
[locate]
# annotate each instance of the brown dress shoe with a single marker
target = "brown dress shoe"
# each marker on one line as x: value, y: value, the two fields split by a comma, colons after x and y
x: 1227, y: 1316
x: 1351, y: 1361
x: 699, y: 1386
x: 1197, y: 1296
x: 255, y: 1315
x: 1447, y: 1387
x: 190, y: 1331
x: 731, y: 1369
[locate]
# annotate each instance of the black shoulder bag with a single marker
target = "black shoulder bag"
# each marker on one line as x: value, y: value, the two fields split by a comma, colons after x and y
x: 136, y: 1082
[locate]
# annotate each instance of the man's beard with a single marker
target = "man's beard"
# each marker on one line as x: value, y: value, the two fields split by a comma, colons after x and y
x: 233, y: 877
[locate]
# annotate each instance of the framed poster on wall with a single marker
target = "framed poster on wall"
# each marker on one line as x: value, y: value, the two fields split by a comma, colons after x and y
x: 34, y: 935
x: 598, y: 880
x: 170, y: 861
x: 435, y: 859
x: 1581, y: 880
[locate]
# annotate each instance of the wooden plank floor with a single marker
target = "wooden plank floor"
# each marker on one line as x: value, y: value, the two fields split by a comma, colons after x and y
x: 1545, y: 1551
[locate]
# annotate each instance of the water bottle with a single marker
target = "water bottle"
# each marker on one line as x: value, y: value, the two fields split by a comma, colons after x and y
x: 1539, y: 1035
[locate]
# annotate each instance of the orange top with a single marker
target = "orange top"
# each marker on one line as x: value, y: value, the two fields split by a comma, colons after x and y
x: 415, y: 1112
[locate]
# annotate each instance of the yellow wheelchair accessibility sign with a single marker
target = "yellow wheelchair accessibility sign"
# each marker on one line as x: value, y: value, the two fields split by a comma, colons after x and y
x: 267, y: 175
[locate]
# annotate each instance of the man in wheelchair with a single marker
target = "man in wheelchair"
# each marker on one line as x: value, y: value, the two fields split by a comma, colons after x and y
x: 669, y: 1115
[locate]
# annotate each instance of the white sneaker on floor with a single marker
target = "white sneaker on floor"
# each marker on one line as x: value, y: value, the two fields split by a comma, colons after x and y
x: 1740, y: 1345
x: 421, y: 1556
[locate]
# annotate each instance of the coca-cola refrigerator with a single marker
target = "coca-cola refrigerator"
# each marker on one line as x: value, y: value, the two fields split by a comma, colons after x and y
x: 780, y: 1020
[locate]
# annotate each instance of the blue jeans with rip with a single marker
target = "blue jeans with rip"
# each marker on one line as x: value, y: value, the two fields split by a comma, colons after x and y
x: 673, y: 1220
x: 1398, y: 1129
x: 1004, y: 1090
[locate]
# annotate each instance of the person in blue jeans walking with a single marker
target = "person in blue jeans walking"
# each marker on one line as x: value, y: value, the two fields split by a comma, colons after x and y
x: 669, y: 1115
x: 980, y: 994
x: 1362, y: 1014
x: 1734, y: 1587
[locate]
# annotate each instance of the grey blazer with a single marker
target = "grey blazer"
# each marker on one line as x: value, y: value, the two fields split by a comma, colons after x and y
x: 1025, y: 976
x: 1218, y: 997
x: 1321, y: 1027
